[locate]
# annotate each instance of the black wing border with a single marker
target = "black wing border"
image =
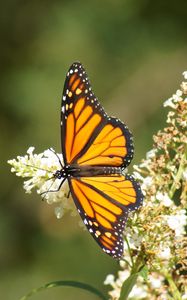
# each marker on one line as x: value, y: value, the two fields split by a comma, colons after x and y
x: 93, y: 101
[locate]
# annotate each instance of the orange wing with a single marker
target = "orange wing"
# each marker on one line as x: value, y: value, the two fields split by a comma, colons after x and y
x: 89, y: 136
x: 103, y: 203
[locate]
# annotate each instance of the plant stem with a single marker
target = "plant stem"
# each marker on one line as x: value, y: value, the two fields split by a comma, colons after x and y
x: 129, y: 250
x: 138, y: 264
x: 178, y: 176
x: 172, y: 286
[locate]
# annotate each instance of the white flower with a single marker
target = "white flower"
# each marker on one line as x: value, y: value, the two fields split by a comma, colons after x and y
x: 170, y: 118
x: 185, y: 74
x: 59, y: 212
x: 177, y: 222
x: 110, y: 279
x: 122, y: 276
x: 184, y: 297
x: 138, y: 176
x: 144, y: 164
x: 177, y: 96
x: 183, y: 123
x: 164, y: 199
x: 151, y: 153
x: 147, y: 182
x: 184, y: 87
x: 164, y: 253
x: 115, y: 294
x: 122, y: 264
x: 30, y: 150
x: 169, y: 103
x: 135, y: 240
x: 184, y: 174
x: 138, y: 292
x: 155, y: 280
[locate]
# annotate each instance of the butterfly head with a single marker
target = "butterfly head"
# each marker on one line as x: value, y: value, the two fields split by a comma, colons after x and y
x: 60, y: 174
x: 65, y: 172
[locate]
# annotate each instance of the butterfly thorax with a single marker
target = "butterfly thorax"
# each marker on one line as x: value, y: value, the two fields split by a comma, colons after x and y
x: 86, y: 171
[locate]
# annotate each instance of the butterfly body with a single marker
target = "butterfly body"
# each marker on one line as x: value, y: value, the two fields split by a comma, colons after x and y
x: 75, y: 171
x: 96, y: 148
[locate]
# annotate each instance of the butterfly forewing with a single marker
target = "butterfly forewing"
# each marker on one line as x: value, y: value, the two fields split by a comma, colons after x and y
x: 89, y: 135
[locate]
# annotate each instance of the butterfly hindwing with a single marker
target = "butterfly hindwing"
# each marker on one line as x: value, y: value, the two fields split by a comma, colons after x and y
x: 89, y: 135
x: 103, y: 204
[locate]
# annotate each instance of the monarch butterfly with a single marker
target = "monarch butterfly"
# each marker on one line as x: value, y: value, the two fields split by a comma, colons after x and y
x: 96, y: 148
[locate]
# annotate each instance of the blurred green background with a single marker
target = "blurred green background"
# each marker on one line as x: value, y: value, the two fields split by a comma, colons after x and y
x: 134, y: 52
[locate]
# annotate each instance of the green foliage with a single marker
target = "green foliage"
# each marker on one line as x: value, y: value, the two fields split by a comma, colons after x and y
x: 134, y: 52
x: 74, y: 284
x: 131, y: 281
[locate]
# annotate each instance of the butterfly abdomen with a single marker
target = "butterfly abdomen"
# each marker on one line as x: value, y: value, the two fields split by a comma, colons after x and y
x: 90, y: 171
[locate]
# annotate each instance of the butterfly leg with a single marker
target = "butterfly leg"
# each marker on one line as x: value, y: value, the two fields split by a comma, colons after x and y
x: 68, y: 194
x: 53, y: 191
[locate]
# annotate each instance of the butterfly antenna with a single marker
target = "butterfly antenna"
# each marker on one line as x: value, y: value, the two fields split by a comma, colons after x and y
x: 51, y: 149
x: 38, y: 168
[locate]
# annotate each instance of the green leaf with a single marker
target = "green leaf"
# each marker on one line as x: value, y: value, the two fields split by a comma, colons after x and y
x: 74, y: 284
x: 128, y: 285
x: 144, y: 272
x: 131, y: 281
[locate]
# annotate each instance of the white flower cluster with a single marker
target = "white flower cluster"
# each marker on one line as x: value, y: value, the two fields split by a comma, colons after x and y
x: 177, y: 97
x: 157, y: 231
x: 140, y: 289
x: 177, y: 222
x: 137, y: 291
x: 170, y: 227
x: 172, y: 102
x: 39, y: 169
